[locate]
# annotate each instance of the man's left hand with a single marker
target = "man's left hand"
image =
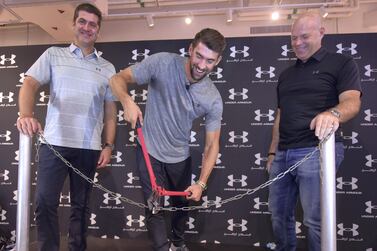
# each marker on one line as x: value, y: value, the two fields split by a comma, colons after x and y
x: 195, y: 192
x: 324, y: 123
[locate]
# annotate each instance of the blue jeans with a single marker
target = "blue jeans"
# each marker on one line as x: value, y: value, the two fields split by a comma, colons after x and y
x: 51, y: 175
x: 174, y: 177
x: 304, y: 181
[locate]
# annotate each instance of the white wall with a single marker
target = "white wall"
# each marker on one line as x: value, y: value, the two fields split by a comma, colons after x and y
x: 174, y: 28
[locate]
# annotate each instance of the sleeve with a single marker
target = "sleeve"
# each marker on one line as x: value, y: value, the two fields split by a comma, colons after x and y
x: 349, y: 77
x: 108, y: 94
x: 144, y: 71
x: 214, y: 116
x: 41, y: 69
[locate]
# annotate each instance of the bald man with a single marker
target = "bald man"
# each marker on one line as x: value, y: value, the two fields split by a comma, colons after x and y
x: 315, y: 96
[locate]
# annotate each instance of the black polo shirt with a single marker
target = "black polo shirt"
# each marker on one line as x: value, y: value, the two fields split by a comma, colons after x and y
x: 307, y: 89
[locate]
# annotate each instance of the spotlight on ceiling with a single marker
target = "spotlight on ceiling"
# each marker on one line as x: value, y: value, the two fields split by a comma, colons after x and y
x: 150, y: 21
x: 188, y: 20
x: 229, y: 15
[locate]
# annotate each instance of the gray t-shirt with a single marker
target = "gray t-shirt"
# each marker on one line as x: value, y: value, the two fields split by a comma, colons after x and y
x: 171, y: 108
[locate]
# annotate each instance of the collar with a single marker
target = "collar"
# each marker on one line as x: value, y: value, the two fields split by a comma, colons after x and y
x: 317, y: 56
x: 77, y: 51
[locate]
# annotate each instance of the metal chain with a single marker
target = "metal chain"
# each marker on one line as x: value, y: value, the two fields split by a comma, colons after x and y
x: 99, y: 186
x: 188, y: 208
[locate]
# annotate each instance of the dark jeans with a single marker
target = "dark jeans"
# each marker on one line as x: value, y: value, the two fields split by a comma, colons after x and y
x: 51, y: 175
x: 304, y: 182
x: 171, y: 176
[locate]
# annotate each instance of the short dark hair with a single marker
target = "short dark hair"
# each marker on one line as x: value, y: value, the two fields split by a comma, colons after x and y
x: 213, y: 39
x: 88, y: 8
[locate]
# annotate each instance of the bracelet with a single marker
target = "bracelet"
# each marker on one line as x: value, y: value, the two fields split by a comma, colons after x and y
x: 273, y: 154
x: 202, y: 185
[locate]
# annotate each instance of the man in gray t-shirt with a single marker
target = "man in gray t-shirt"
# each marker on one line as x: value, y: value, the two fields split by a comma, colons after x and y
x: 179, y: 91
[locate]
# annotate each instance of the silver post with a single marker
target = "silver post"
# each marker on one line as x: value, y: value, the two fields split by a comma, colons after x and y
x: 23, y: 196
x: 328, y: 198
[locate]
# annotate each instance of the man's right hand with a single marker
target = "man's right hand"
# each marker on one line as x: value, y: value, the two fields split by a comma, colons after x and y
x: 132, y: 112
x: 28, y: 125
x: 270, y: 159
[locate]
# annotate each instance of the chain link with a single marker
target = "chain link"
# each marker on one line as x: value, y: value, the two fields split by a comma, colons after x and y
x: 188, y: 208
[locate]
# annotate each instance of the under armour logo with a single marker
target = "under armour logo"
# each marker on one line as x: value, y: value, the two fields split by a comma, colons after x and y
x: 117, y: 156
x: 142, y: 95
x: 115, y: 237
x: 131, y: 178
x: 259, y: 159
x: 5, y: 175
x: 15, y: 195
x: 370, y: 207
x: 351, y: 49
x: 370, y: 160
x: 9, y: 97
x: 192, y: 137
x: 43, y: 96
x: 353, y: 137
x: 298, y: 227
x: 132, y: 136
x: 259, y: 203
x: 218, y: 160
x: 2, y: 215
x: 92, y: 219
x: 234, y: 93
x: 136, y: 54
x: 368, y: 70
x: 270, y: 72
x: 6, y: 135
x: 217, y: 73
x: 369, y: 115
x: 139, y: 221
x: 115, y: 198
x: 4, y: 59
x: 95, y: 177
x: 232, y: 225
x: 244, y: 52
x: 232, y: 180
x: 353, y: 230
x: 22, y: 77
x: 208, y: 203
x: 234, y: 136
x: 120, y: 115
x: 285, y: 50
x: 190, y: 223
x: 65, y: 197
x: 268, y: 115
x: 17, y: 157
x: 351, y: 183
x: 183, y: 52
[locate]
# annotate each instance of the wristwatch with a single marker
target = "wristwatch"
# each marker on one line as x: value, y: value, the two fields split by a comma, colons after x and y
x: 335, y: 112
x: 111, y: 146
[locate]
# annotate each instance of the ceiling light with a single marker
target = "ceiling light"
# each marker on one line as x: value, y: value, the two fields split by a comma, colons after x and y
x: 229, y: 15
x: 323, y: 12
x: 275, y: 15
x: 150, y: 21
x: 188, y: 20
